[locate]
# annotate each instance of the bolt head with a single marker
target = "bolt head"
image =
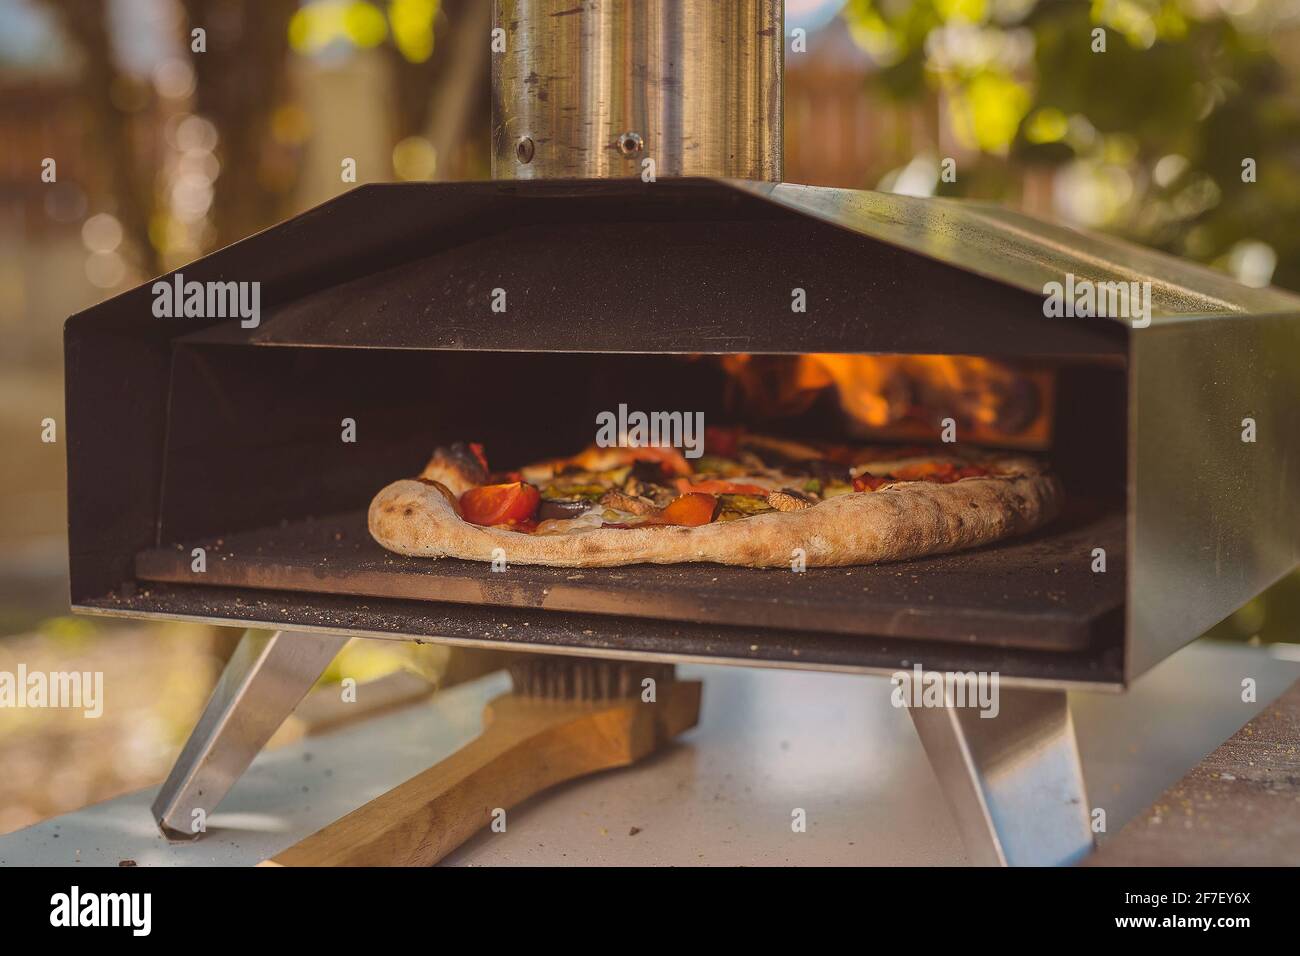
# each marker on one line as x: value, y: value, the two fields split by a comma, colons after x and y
x: 629, y: 144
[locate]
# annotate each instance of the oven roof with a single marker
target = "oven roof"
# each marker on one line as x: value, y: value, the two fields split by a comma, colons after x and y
x: 1021, y: 251
x: 695, y: 265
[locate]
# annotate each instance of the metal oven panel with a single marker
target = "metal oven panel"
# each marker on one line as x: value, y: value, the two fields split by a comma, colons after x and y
x: 600, y: 635
x: 1214, y: 519
x: 688, y: 266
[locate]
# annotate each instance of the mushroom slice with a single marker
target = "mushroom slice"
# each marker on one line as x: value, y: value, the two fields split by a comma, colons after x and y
x: 632, y: 505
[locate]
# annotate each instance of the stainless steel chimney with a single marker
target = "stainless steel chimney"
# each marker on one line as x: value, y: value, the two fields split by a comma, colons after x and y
x: 621, y: 88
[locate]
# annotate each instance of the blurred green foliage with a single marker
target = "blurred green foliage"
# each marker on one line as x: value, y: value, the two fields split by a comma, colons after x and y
x: 318, y: 23
x: 1150, y: 133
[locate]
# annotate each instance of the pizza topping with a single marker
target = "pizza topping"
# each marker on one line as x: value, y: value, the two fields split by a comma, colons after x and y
x: 714, y: 486
x: 689, y: 510
x: 937, y: 471
x: 476, y: 450
x: 670, y: 460
x: 647, y: 471
x: 631, y: 504
x: 781, y: 448
x: 458, y: 467
x: 789, y: 500
x: 654, y: 486
x: 562, y: 508
x: 778, y: 459
x: 868, y: 482
x: 587, y: 522
x: 918, y: 466
x: 716, y: 465
x: 592, y: 509
x: 489, y: 505
x: 795, y: 461
x: 590, y: 460
x: 836, y: 488
x: 746, y: 504
x: 921, y: 470
x: 942, y: 472
x: 583, y: 488
x: 741, y: 475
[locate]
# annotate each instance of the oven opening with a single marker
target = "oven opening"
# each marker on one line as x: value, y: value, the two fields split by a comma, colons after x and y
x: 273, y: 454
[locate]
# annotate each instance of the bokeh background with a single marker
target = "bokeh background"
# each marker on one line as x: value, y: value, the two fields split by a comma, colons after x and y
x: 163, y: 154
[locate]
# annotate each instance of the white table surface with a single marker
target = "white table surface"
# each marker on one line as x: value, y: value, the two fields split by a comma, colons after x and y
x: 768, y: 741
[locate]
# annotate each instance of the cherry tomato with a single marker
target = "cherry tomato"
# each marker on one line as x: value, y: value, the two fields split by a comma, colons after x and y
x: 690, y: 510
x: 513, y: 503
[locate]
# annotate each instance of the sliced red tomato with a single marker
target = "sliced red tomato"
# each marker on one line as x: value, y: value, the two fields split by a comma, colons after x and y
x: 717, y: 486
x: 511, y: 503
x: 689, y: 510
x: 670, y: 459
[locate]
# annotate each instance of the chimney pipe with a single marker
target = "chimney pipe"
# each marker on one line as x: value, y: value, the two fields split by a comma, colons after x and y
x: 595, y: 88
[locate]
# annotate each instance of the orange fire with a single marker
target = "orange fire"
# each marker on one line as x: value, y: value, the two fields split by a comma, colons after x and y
x: 905, y: 396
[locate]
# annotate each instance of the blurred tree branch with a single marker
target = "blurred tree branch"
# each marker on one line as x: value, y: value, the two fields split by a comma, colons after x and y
x: 110, y: 130
x: 241, y: 80
x: 438, y: 97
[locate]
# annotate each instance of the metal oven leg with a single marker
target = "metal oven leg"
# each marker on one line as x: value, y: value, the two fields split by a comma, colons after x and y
x: 1014, y: 781
x: 269, y: 673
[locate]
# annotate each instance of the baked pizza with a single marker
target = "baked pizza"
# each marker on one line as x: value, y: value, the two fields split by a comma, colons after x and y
x: 749, y: 500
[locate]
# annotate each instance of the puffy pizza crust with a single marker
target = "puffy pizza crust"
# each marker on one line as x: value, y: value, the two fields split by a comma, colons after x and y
x: 896, y: 522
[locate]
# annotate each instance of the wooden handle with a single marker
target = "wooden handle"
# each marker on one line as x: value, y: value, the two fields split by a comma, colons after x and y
x: 527, y: 746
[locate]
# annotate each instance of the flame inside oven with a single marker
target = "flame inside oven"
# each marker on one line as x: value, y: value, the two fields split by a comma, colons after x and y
x: 904, y: 397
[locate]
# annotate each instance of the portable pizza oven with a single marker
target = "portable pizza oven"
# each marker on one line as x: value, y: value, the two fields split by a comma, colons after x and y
x: 221, y: 473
